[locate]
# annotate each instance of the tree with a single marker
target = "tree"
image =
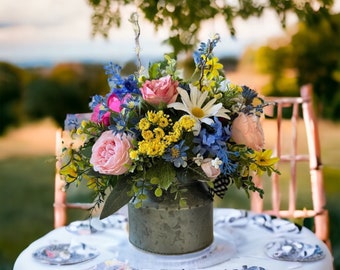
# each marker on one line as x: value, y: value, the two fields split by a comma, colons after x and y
x: 11, y: 85
x: 316, y: 54
x: 313, y: 54
x: 67, y: 88
x: 184, y: 17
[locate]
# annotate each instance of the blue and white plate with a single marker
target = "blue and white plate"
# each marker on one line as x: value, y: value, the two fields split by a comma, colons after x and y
x: 292, y: 250
x: 64, y: 254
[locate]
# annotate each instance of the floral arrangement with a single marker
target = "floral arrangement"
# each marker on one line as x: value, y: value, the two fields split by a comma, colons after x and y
x: 204, y: 128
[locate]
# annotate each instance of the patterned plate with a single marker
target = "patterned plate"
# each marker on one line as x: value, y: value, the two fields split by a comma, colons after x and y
x: 291, y: 250
x: 63, y: 254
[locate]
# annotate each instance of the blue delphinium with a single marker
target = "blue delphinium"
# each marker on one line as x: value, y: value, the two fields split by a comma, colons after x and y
x: 212, y: 141
x: 120, y: 86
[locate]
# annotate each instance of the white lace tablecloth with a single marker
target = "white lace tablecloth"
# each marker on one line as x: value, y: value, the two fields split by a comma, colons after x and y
x: 243, y: 241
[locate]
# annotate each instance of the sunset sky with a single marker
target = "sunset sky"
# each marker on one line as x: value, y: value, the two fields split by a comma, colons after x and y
x: 56, y: 31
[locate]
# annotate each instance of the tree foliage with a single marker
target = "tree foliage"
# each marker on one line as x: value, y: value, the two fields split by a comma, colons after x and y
x: 313, y: 54
x: 66, y: 89
x: 185, y: 17
x: 317, y: 59
x: 11, y: 84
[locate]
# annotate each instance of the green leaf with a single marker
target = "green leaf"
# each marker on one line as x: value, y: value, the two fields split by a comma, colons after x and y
x: 158, y: 192
x: 166, y: 176
x: 138, y: 204
x: 182, y: 202
x: 154, y: 180
x: 117, y: 198
x: 142, y: 196
x: 154, y: 70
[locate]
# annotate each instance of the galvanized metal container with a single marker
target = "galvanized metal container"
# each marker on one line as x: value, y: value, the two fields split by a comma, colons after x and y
x: 164, y: 228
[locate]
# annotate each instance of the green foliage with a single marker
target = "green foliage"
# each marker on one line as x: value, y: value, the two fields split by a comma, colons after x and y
x: 313, y: 57
x: 117, y: 198
x: 11, y: 87
x: 317, y: 58
x: 66, y: 89
x: 184, y: 18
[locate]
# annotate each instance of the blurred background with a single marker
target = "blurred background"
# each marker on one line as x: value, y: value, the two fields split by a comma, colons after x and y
x: 51, y: 61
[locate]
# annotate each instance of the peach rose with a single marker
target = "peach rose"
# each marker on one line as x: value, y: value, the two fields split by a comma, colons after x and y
x: 211, y: 171
x: 161, y: 90
x: 110, y: 153
x: 247, y: 130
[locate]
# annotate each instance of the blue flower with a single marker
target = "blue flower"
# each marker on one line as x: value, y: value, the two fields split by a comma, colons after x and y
x: 227, y: 167
x: 177, y: 154
x: 248, y: 94
x: 120, y: 86
x: 212, y: 138
x: 205, y: 49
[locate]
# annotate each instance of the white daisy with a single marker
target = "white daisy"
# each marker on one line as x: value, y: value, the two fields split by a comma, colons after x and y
x: 193, y: 105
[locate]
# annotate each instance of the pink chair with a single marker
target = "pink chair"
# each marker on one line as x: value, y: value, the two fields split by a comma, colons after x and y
x: 60, y: 196
x: 287, y: 151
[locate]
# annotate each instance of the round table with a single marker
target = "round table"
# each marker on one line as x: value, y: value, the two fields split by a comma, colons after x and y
x: 243, y: 240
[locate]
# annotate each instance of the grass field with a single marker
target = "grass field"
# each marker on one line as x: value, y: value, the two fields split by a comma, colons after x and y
x: 26, y: 188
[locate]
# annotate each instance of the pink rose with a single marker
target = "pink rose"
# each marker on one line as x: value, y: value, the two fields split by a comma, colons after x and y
x: 247, y: 130
x: 211, y: 171
x: 114, y: 104
x: 110, y: 153
x: 161, y: 90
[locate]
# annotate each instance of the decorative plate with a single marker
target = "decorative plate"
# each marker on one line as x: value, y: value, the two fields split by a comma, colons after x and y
x: 291, y: 250
x: 85, y: 226
x: 63, y: 254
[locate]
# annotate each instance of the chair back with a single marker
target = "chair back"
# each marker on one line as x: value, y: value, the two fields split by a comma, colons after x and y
x: 289, y: 138
x: 60, y: 195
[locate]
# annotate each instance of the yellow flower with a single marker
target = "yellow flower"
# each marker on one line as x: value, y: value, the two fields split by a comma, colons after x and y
x: 147, y: 135
x: 256, y: 102
x: 143, y: 147
x: 133, y: 154
x: 159, y: 133
x: 206, y: 84
x: 262, y: 159
x: 170, y: 138
x: 163, y: 122
x: 187, y: 122
x: 155, y: 148
x: 152, y: 117
x: 69, y: 172
x: 144, y: 124
x: 213, y: 67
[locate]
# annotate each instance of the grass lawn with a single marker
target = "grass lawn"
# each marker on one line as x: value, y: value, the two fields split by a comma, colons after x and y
x: 26, y: 199
x: 27, y: 186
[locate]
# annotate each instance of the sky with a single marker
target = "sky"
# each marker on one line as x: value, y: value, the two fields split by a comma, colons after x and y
x: 52, y: 31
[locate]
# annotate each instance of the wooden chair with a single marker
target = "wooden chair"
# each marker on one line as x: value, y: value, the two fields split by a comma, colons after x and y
x: 302, y: 105
x: 60, y: 196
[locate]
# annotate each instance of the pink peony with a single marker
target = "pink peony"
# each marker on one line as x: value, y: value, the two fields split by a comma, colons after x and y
x: 211, y: 171
x: 161, y: 90
x: 247, y: 130
x: 114, y: 104
x: 110, y: 153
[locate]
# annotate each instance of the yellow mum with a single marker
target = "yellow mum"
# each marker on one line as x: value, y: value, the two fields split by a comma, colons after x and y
x: 147, y: 135
x: 152, y: 117
x: 133, y: 154
x: 144, y: 124
x: 163, y: 122
x: 155, y: 148
x: 187, y: 122
x: 159, y: 133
